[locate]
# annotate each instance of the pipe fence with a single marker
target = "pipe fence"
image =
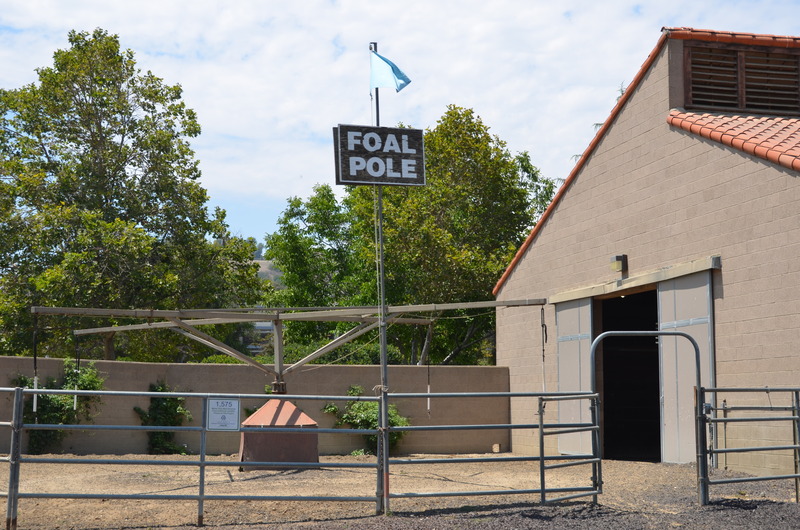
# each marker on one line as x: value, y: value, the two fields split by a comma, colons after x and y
x: 719, y: 418
x: 544, y: 461
x: 16, y: 459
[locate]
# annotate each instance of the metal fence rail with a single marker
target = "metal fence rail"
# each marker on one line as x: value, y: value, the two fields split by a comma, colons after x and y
x: 545, y: 429
x: 16, y: 459
x: 17, y: 426
x: 593, y: 460
x: 759, y: 414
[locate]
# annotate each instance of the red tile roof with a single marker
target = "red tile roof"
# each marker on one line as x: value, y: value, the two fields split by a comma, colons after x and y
x: 772, y: 138
x: 666, y: 34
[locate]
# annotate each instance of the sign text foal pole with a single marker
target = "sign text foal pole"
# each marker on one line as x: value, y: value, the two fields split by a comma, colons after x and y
x: 380, y: 156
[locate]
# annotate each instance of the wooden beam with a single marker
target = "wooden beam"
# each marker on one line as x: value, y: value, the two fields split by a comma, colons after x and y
x: 212, y: 321
x: 151, y: 314
x: 271, y: 314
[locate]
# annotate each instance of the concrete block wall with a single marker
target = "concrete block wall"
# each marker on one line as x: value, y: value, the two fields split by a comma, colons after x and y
x: 664, y: 197
x: 319, y: 380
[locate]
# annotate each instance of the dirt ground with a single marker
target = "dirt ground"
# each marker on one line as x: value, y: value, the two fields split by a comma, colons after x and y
x: 636, y: 495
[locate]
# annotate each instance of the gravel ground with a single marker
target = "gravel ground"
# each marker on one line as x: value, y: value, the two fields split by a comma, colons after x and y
x: 636, y: 495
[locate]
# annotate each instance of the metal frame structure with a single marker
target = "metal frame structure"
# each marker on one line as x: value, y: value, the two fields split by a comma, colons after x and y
x: 383, y: 462
x: 186, y: 321
x: 368, y: 317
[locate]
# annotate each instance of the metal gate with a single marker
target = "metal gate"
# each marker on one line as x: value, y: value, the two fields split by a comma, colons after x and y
x: 785, y: 414
x: 545, y: 462
x: 700, y: 433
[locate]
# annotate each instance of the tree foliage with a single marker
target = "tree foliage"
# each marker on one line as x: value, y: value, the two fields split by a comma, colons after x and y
x: 100, y: 203
x: 448, y: 241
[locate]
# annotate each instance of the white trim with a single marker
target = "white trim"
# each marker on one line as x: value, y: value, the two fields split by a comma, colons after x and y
x: 660, y: 275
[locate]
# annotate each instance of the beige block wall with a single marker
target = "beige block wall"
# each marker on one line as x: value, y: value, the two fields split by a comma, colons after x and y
x: 319, y: 380
x: 663, y: 197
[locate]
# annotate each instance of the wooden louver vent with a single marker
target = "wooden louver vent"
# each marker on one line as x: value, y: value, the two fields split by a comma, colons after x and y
x: 771, y: 82
x: 714, y: 78
x: 757, y: 81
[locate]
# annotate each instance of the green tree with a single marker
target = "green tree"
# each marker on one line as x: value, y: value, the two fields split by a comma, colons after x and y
x: 315, y: 249
x: 101, y: 204
x: 448, y: 241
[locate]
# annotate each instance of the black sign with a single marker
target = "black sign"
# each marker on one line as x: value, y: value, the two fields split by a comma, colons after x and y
x: 379, y: 155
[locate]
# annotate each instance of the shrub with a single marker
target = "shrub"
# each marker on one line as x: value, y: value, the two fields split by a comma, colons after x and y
x: 365, y: 415
x: 164, y: 412
x: 60, y: 409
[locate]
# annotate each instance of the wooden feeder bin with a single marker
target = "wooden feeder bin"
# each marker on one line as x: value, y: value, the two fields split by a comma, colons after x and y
x: 279, y: 446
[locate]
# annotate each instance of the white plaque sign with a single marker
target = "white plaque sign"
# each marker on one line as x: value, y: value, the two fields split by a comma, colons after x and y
x: 223, y: 415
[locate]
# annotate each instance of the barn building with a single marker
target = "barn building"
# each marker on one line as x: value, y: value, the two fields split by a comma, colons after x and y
x: 682, y: 214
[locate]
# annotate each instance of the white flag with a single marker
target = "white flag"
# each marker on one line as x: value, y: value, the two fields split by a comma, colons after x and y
x: 384, y: 73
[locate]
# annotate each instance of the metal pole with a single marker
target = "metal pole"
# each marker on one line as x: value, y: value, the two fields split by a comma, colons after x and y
x: 597, y: 470
x: 541, y: 450
x: 14, y: 456
x: 725, y: 430
x: 384, y: 403
x: 202, y: 491
x: 796, y: 436
x: 383, y: 446
x: 702, y: 449
x: 373, y: 46
x: 279, y: 385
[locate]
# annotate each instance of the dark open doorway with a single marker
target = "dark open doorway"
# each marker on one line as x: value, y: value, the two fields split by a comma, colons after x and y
x: 630, y: 379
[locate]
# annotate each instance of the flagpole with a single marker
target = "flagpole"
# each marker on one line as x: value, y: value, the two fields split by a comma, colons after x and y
x: 384, y: 416
x: 373, y: 46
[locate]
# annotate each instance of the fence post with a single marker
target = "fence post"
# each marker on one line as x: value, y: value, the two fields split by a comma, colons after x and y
x: 14, y: 461
x: 702, y: 450
x: 382, y: 491
x: 597, y: 471
x: 203, y: 436
x: 796, y: 436
x: 541, y: 450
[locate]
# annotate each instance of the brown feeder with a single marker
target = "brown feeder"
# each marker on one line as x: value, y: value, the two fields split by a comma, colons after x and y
x: 278, y: 446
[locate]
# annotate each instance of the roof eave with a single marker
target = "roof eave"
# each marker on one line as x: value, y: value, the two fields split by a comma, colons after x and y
x: 665, y: 34
x: 731, y: 37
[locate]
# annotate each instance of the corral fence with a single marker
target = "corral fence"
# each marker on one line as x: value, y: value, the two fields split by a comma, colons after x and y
x: 710, y: 417
x: 211, y: 422
x: 545, y: 462
x: 768, y: 408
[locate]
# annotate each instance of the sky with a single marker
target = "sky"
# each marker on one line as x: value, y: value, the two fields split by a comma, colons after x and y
x: 269, y: 79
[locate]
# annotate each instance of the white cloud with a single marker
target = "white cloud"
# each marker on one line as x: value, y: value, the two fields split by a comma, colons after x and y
x: 270, y: 79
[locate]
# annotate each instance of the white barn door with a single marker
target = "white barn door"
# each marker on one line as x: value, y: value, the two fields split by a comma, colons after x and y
x: 574, y: 330
x: 684, y: 304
